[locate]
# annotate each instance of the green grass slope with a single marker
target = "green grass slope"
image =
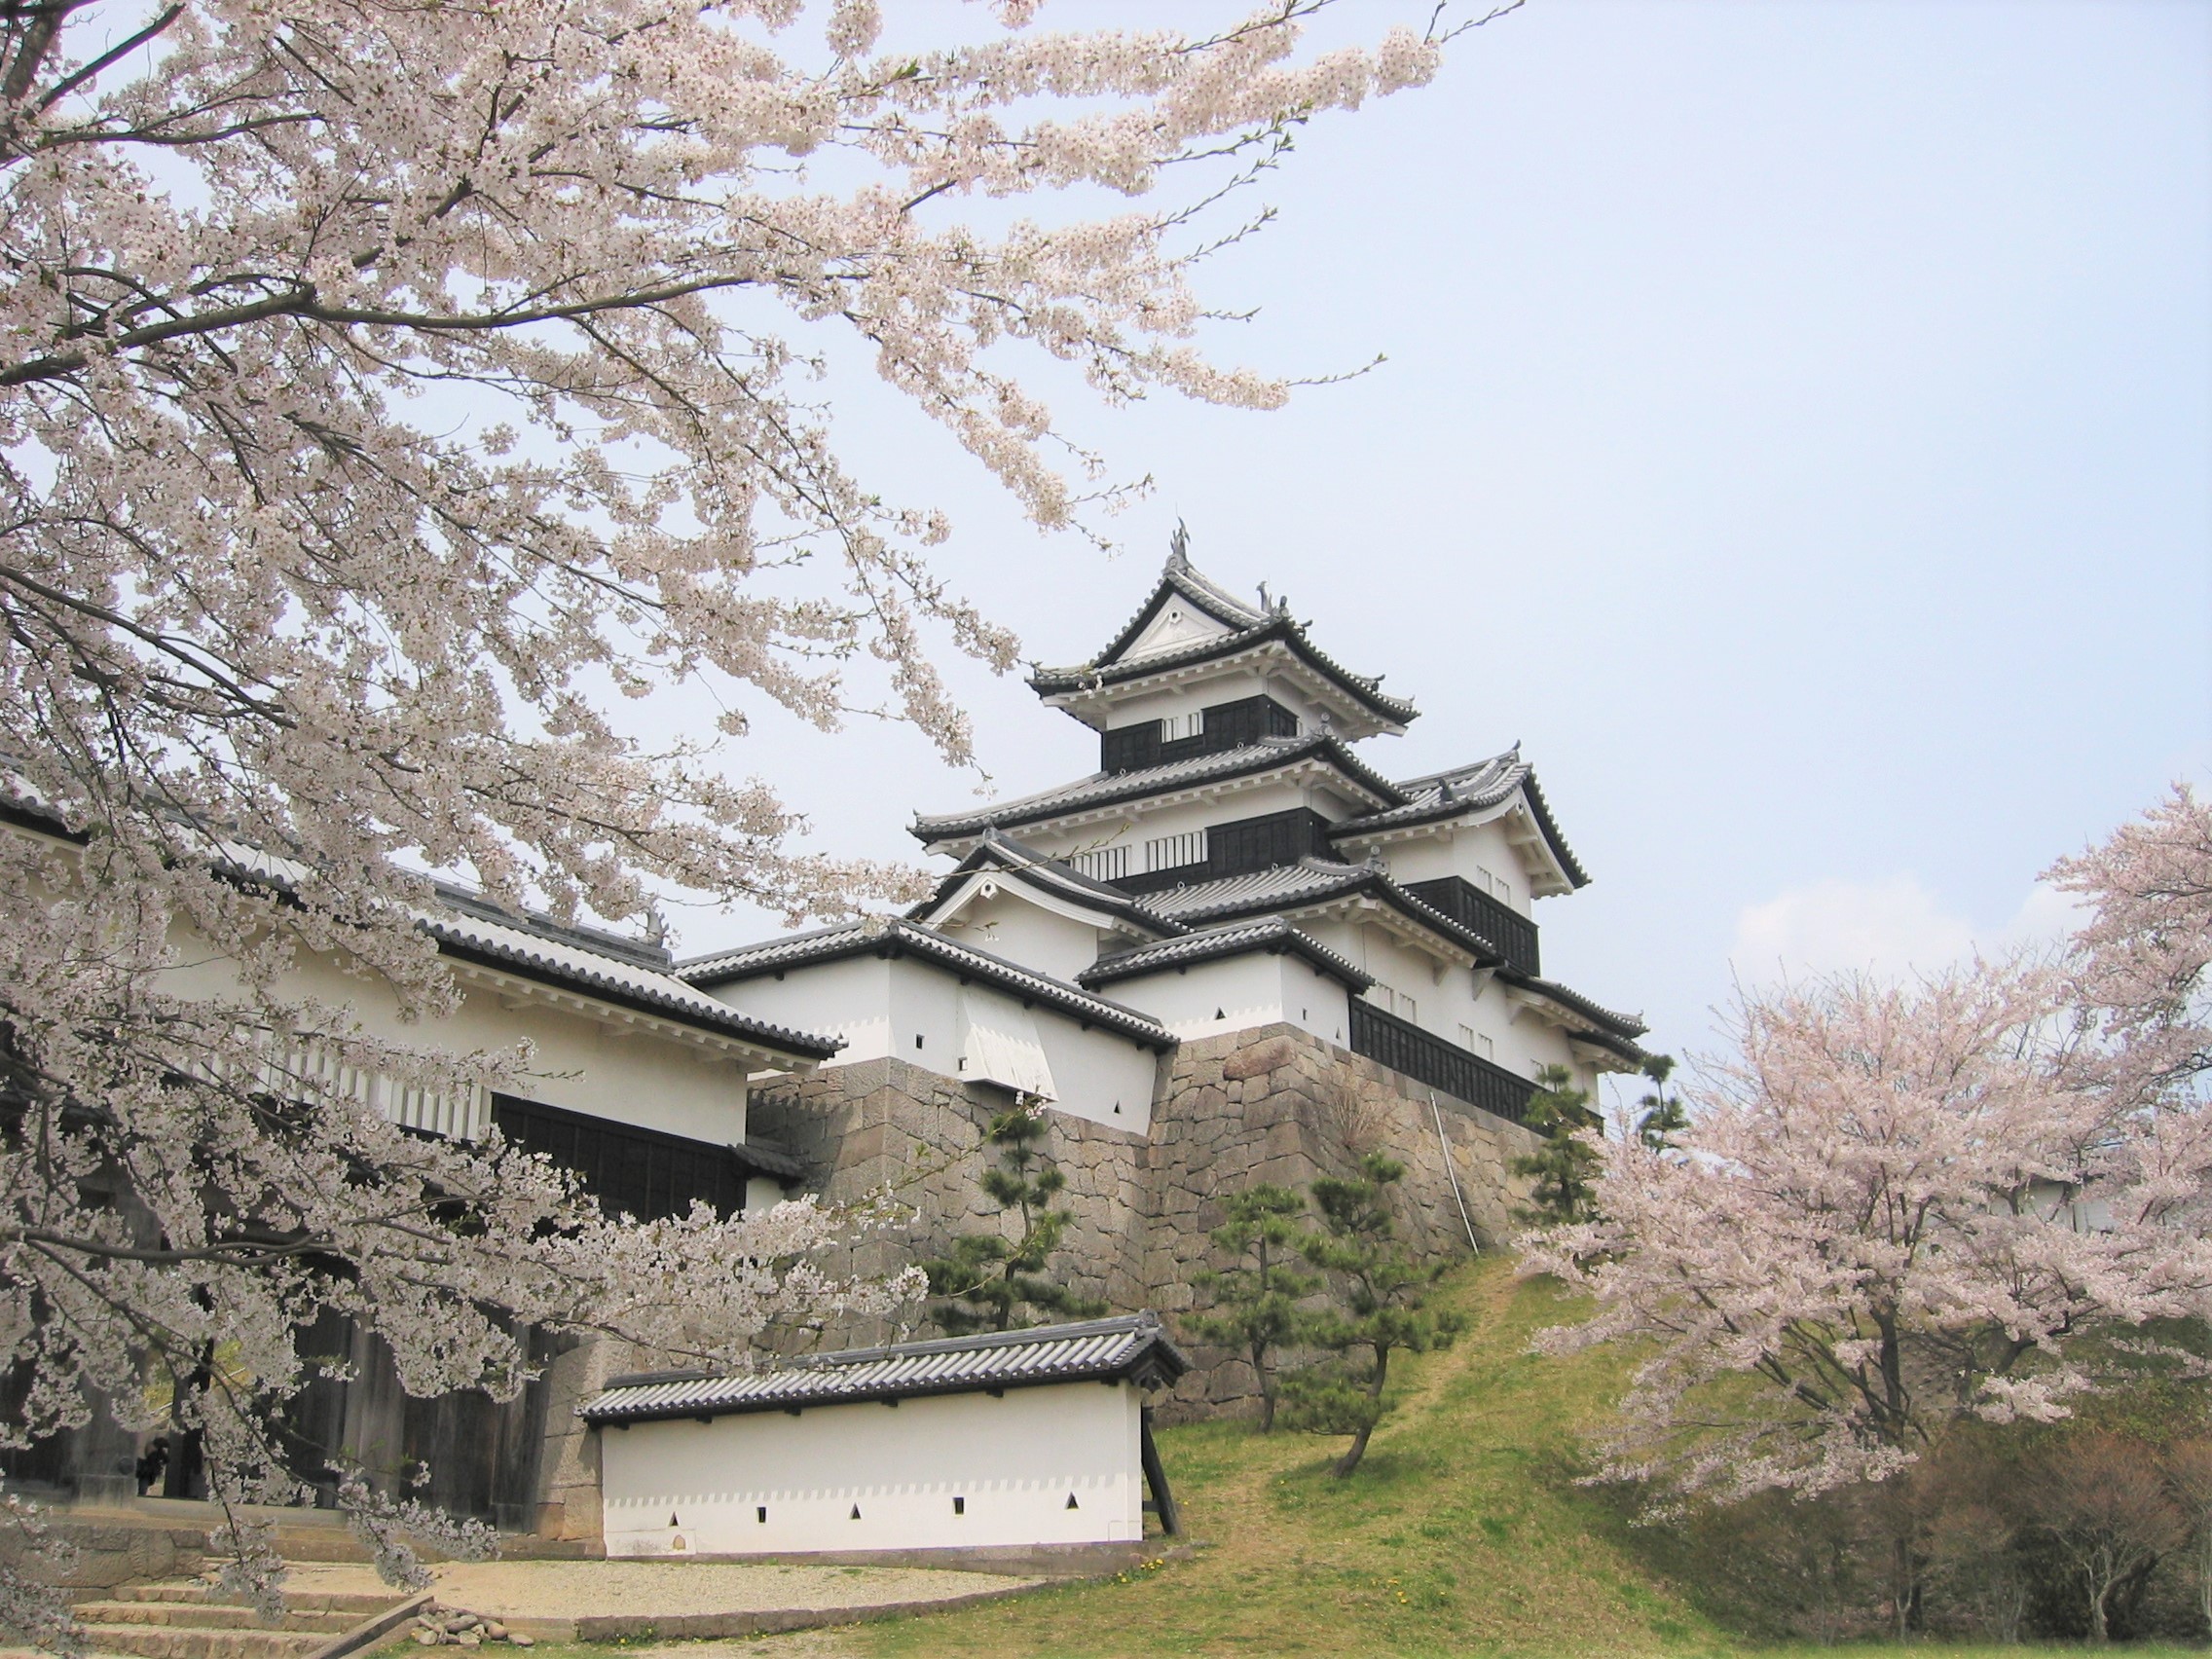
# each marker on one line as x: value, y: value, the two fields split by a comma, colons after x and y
x: 1463, y: 1531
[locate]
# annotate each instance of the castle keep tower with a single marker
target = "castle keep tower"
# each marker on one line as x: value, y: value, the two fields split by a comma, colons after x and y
x: 1238, y: 951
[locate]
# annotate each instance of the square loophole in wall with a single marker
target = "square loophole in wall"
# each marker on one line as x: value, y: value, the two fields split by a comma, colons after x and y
x: 959, y: 1506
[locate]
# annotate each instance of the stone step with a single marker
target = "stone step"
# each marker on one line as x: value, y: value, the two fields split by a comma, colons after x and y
x: 322, y: 1543
x: 357, y: 1605
x: 164, y: 1642
x: 215, y: 1616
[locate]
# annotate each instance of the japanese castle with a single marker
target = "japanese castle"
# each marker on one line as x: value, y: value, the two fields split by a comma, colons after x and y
x: 1235, y: 952
x: 1232, y: 863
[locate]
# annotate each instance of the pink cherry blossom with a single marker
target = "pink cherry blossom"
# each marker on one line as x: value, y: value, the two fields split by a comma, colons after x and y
x: 381, y: 388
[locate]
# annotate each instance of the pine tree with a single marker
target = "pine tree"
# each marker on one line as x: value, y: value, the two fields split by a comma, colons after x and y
x: 1384, y: 1296
x: 987, y: 1280
x: 1255, y: 1303
x: 1663, y: 1117
x: 1566, y: 1167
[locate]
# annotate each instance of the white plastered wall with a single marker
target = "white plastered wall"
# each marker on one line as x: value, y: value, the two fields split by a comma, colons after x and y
x: 1453, y: 1002
x: 914, y: 1010
x: 849, y: 999
x: 1009, y: 924
x: 1013, y: 1461
x: 625, y: 1074
x: 1235, y: 993
x: 1465, y: 849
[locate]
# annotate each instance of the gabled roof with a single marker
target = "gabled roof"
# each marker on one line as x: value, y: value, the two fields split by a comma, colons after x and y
x: 1179, y: 576
x: 1269, y: 934
x: 1110, y: 789
x: 529, y: 947
x: 1131, y: 1348
x: 877, y: 935
x: 1245, y: 628
x: 1479, y: 787
x: 999, y: 851
x: 1309, y: 882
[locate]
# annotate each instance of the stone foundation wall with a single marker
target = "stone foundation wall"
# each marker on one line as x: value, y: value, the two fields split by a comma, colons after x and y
x: 1275, y: 1104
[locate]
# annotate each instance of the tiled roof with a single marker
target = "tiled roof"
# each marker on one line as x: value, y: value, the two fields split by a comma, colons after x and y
x: 1106, y: 789
x: 1238, y: 939
x: 1247, y: 626
x: 876, y: 935
x: 1395, y: 711
x: 610, y: 968
x: 998, y: 850
x: 1133, y: 1347
x: 1310, y: 881
x: 1474, y: 788
x: 464, y: 928
x: 1619, y: 1025
x: 770, y: 1158
x: 1180, y: 575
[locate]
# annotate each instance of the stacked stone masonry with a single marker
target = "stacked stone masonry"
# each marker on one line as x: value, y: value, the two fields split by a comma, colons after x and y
x: 1273, y: 1104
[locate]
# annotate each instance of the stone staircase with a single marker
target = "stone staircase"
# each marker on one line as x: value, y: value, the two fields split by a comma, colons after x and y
x: 192, y: 1621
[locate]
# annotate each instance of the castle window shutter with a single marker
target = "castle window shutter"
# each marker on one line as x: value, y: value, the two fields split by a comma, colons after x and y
x: 999, y: 1044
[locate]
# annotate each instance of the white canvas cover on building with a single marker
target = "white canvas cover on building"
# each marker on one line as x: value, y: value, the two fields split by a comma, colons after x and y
x: 998, y: 1044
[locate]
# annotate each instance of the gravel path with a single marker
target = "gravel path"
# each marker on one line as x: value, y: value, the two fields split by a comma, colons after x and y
x: 647, y: 1588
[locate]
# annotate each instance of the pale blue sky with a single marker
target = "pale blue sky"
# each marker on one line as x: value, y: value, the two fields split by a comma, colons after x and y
x: 1797, y: 430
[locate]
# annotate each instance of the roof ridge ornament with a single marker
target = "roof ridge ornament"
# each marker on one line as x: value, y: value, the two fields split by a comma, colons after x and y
x: 1179, y: 548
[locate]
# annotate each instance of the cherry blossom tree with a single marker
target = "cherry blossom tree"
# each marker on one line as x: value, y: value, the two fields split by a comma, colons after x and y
x: 383, y: 389
x: 1895, y: 1208
x: 2141, y: 961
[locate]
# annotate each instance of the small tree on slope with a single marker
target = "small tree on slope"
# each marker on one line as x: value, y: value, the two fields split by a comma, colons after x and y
x: 989, y: 1278
x: 1384, y: 1295
x: 1256, y: 1300
x: 1565, y: 1168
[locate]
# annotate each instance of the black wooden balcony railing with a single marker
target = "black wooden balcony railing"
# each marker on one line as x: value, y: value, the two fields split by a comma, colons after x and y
x: 1514, y: 935
x: 1428, y: 1059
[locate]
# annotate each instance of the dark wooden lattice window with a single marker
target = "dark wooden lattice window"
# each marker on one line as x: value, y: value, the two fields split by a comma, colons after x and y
x: 632, y: 1171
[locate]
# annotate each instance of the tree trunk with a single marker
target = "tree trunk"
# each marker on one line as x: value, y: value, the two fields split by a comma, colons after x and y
x: 2204, y: 1569
x: 1349, y: 1462
x: 1904, y: 1579
x: 1358, y: 1449
x: 1266, y: 1387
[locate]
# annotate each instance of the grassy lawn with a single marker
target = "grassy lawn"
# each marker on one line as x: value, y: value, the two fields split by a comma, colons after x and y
x: 1463, y: 1533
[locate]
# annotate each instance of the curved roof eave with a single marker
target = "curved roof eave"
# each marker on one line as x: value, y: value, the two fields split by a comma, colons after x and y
x: 1115, y: 789
x: 1272, y: 936
x: 1390, y: 712
x: 999, y: 851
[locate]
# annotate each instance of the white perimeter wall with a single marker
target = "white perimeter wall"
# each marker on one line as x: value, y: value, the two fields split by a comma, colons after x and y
x: 1014, y: 1460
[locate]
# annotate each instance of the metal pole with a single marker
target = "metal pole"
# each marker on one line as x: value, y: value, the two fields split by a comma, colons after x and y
x: 1444, y: 1145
